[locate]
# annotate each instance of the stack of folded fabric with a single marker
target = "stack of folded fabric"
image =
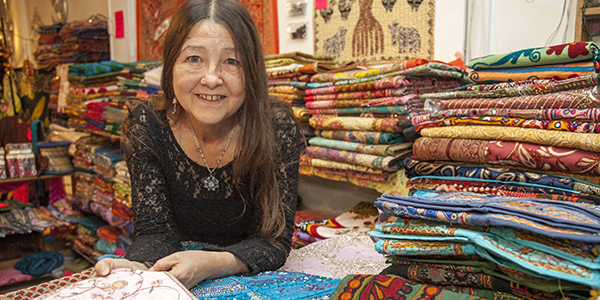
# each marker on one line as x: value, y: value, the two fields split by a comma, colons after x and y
x: 131, y: 78
x: 288, y: 74
x: 555, y: 62
x: 121, y: 204
x: 83, y: 42
x: 492, y: 246
x: 362, y: 120
x: 536, y: 138
x: 86, y: 235
x: 48, y: 52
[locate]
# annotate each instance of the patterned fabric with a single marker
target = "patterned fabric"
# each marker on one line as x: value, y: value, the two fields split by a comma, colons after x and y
x: 557, y: 54
x: 573, y: 99
x: 560, y: 125
x: 412, y: 209
x: 389, y: 68
x: 383, y: 177
x: 358, y: 95
x: 47, y: 287
x: 380, y: 150
x: 363, y: 137
x: 355, y: 123
x: 591, y: 115
x: 500, y: 175
x: 338, y: 256
x: 358, y: 110
x: 399, y: 81
x: 557, y: 72
x: 583, y: 141
x: 306, y: 160
x: 395, y: 184
x: 380, y: 287
x: 504, y: 246
x: 537, y: 157
x: 267, y: 285
x: 384, y: 163
x: 360, y: 218
x: 125, y: 282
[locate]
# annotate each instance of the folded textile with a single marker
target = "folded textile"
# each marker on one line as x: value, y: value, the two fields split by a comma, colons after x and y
x: 364, y: 286
x: 363, y: 137
x: 12, y: 275
x: 381, y: 150
x: 40, y: 263
x: 384, y: 163
x: 583, y: 141
x: 360, y: 218
x: 355, y: 123
x: 507, y: 153
x: 557, y: 54
x: 557, y: 72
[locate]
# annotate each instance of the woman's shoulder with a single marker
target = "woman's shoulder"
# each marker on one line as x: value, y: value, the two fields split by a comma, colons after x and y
x: 288, y: 133
x: 141, y: 111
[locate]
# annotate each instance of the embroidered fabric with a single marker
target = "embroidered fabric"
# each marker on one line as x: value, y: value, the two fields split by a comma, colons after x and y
x: 337, y: 257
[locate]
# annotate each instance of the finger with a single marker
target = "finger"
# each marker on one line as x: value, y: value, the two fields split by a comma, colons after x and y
x: 165, y: 264
x: 104, y: 266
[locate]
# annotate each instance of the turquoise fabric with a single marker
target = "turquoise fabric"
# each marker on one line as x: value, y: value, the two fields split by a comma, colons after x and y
x: 267, y: 285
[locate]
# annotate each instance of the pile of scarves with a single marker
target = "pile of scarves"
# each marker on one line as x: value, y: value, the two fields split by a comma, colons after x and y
x: 48, y: 50
x: 488, y: 245
x: 40, y: 219
x: 82, y: 42
x: 555, y: 62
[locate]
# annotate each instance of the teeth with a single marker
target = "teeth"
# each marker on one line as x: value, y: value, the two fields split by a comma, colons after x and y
x: 211, y: 98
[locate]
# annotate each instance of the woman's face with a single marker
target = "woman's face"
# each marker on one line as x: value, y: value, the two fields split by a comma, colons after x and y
x: 208, y: 79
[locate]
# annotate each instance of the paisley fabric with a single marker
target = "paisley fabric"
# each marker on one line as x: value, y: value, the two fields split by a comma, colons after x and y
x: 389, y: 68
x: 399, y: 81
x: 355, y: 123
x: 557, y: 54
x: 559, y: 125
x: 572, y: 99
x: 583, y: 141
x: 380, y: 287
x: 381, y: 150
x: 557, y: 72
x: 518, y: 88
x: 500, y: 175
x: 384, y: 163
x: 306, y: 160
x: 358, y: 95
x: 383, y: 177
x: 385, y: 101
x: 536, y: 157
x: 591, y: 115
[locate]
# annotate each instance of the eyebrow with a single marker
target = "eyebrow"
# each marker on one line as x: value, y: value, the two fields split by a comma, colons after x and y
x: 192, y: 47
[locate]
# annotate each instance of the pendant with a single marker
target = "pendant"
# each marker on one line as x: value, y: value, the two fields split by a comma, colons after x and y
x: 211, y: 183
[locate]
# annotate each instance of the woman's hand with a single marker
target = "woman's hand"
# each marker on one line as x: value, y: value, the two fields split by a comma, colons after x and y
x: 191, y: 267
x: 104, y: 266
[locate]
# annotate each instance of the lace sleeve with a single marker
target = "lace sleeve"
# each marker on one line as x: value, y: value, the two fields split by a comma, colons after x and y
x: 259, y: 255
x: 155, y: 234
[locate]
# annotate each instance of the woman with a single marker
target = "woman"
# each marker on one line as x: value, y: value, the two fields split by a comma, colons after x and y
x: 213, y: 161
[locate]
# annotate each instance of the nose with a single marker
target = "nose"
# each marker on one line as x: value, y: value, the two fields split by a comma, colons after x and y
x: 212, y: 77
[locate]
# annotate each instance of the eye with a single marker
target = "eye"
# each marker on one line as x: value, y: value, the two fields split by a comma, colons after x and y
x: 231, y: 61
x: 194, y: 59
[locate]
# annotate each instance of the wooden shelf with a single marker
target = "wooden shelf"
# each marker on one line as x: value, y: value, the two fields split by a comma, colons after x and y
x: 19, y: 179
x: 592, y: 12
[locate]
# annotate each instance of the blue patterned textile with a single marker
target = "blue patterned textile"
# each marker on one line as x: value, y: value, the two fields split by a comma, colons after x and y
x: 554, y: 219
x: 267, y: 285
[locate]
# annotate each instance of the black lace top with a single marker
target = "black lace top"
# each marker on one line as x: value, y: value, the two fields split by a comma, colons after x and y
x: 171, y: 205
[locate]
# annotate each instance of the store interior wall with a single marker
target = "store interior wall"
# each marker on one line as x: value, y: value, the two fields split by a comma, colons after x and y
x: 468, y: 28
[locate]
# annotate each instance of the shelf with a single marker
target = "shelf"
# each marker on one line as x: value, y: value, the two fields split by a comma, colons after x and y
x: 592, y: 12
x: 19, y: 179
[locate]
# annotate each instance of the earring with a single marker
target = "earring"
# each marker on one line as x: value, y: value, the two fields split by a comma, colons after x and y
x: 174, y: 106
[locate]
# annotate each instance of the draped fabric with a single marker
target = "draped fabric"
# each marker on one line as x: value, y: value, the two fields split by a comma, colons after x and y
x: 154, y: 15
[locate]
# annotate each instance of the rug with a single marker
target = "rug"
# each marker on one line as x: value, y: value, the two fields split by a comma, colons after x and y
x: 375, y: 31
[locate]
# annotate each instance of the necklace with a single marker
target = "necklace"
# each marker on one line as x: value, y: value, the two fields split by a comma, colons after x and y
x: 211, y: 182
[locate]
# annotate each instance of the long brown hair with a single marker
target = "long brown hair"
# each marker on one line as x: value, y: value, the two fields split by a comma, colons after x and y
x: 254, y: 163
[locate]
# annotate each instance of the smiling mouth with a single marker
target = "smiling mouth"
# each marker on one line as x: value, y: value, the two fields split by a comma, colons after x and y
x: 211, y: 97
